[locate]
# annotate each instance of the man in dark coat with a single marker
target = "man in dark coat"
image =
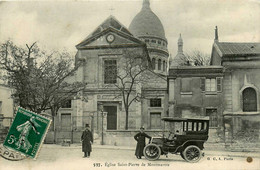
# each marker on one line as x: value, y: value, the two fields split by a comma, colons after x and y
x: 140, y: 138
x: 87, y: 140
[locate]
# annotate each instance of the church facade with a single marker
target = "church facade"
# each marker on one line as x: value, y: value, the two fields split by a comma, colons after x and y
x: 103, y: 55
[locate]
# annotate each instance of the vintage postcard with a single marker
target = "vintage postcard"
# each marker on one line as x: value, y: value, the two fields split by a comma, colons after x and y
x: 130, y: 84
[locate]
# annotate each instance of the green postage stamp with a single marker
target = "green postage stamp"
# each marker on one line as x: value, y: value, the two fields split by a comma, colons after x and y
x: 27, y: 133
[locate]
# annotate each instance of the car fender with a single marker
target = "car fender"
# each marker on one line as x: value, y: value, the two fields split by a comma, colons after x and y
x: 198, y: 143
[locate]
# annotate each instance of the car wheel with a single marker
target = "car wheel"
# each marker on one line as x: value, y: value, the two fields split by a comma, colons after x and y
x: 192, y: 153
x: 152, y: 152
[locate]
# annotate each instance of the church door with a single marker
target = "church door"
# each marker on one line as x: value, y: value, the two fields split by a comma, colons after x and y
x: 111, y: 117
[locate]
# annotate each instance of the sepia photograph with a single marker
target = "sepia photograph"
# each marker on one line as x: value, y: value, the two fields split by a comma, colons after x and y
x: 130, y: 84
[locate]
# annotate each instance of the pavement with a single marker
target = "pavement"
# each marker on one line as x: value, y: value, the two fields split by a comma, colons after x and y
x: 57, y: 157
x: 209, y: 150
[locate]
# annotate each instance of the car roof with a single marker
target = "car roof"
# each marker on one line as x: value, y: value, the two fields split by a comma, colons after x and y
x: 177, y: 119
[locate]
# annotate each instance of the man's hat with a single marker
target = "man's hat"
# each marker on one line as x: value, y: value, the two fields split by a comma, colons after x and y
x: 141, y: 127
x: 87, y: 125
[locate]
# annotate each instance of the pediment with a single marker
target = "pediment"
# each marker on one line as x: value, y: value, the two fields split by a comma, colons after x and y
x: 109, y: 37
x: 119, y: 35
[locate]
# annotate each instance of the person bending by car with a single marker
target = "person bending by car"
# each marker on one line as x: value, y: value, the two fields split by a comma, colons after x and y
x: 140, y: 138
x: 87, y: 140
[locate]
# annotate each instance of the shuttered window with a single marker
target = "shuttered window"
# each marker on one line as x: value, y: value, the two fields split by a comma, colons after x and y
x: 202, y: 84
x: 219, y: 84
x: 211, y: 84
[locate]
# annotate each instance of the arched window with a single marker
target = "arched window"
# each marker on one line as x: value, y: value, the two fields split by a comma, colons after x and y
x: 249, y: 100
x: 153, y: 63
x: 164, y: 68
x: 159, y: 64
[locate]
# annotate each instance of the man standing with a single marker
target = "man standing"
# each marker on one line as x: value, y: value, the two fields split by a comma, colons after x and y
x: 87, y: 140
x: 140, y: 138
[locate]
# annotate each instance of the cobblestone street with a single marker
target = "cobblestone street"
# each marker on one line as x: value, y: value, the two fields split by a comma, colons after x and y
x: 103, y: 157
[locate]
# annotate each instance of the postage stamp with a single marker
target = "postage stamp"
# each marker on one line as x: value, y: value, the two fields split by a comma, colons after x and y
x: 27, y: 133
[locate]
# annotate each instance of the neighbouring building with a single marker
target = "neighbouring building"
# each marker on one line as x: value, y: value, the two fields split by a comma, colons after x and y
x: 197, y: 92
x: 6, y: 110
x: 227, y: 91
x: 241, y: 85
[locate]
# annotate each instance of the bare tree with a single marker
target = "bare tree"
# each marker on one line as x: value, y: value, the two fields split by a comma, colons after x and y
x: 195, y: 58
x: 129, y: 77
x: 41, y: 80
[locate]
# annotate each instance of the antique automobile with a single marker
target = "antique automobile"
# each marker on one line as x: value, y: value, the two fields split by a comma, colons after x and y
x: 184, y: 136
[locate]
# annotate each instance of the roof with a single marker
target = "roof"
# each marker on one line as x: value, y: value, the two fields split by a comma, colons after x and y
x: 146, y: 23
x: 110, y: 22
x: 238, y: 49
x: 195, y: 71
x: 177, y: 119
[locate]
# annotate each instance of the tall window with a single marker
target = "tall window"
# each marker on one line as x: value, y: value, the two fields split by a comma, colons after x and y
x: 164, y: 68
x: 159, y: 64
x: 249, y: 100
x: 153, y: 63
x: 155, y: 120
x: 110, y: 71
x: 155, y: 102
x: 213, y: 119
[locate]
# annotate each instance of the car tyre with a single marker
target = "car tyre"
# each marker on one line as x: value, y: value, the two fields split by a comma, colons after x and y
x: 152, y: 152
x: 192, y: 154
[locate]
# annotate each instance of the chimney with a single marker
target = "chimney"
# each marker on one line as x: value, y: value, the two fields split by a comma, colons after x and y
x: 216, y: 34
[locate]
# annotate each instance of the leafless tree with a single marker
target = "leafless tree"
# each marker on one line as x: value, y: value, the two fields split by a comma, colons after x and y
x: 195, y: 58
x: 130, y: 76
x: 40, y: 79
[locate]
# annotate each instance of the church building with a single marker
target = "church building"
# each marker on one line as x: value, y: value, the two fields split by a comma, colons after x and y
x: 102, y: 104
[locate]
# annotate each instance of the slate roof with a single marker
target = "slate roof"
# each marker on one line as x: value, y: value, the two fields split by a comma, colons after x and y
x: 238, y: 49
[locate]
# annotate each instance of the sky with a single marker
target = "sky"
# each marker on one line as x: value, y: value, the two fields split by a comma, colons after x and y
x: 59, y: 25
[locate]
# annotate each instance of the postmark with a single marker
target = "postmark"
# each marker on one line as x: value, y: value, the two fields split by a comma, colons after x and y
x: 11, y: 154
x: 27, y: 133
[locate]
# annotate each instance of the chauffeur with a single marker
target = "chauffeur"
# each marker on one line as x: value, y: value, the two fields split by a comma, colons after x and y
x: 140, y: 138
